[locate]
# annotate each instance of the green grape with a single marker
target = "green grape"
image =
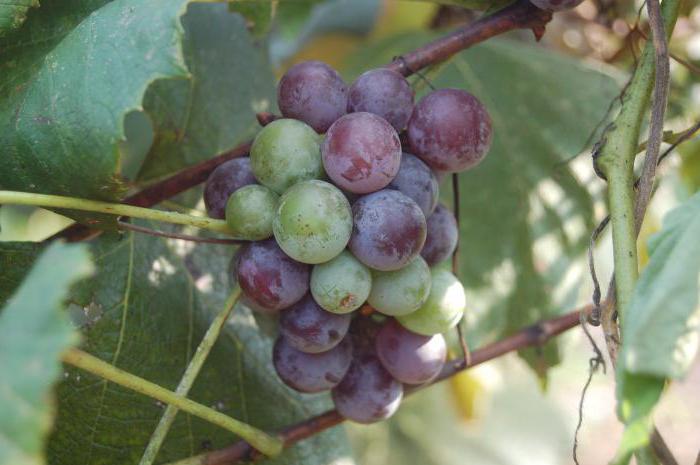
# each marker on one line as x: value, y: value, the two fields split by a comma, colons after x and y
x: 442, y: 310
x: 250, y: 211
x: 342, y: 284
x: 402, y: 291
x: 285, y: 152
x: 313, y: 222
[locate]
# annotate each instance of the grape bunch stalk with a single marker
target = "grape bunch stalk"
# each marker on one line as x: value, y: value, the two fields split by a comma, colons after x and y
x: 346, y: 232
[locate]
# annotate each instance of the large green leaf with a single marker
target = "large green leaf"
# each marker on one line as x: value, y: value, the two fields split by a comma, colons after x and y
x: 16, y: 258
x: 525, y: 215
x: 147, y: 313
x: 195, y: 119
x: 13, y: 14
x: 661, y: 327
x: 74, y: 115
x: 34, y: 331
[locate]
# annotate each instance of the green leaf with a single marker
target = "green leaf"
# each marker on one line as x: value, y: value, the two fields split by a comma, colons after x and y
x: 149, y: 306
x: 78, y: 115
x: 13, y: 14
x: 213, y: 111
x: 16, y: 258
x: 525, y: 216
x: 259, y: 14
x: 661, y: 328
x: 34, y: 331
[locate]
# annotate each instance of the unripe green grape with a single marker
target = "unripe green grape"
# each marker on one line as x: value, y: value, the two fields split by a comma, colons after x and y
x: 442, y: 310
x: 313, y: 222
x: 342, y: 284
x: 285, y: 152
x: 402, y: 291
x: 250, y: 211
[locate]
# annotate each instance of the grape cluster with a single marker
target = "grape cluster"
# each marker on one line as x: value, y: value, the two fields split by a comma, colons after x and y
x: 346, y: 230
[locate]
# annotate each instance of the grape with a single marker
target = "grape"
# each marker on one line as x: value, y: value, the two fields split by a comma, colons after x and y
x: 226, y: 179
x: 417, y: 181
x: 556, y: 5
x: 285, y: 152
x: 311, y: 372
x: 410, y: 358
x: 442, y: 310
x: 389, y: 230
x: 361, y: 153
x: 309, y: 328
x: 313, y: 222
x: 442, y: 236
x: 249, y: 212
x: 402, y: 291
x: 450, y: 130
x: 268, y: 277
x: 312, y: 92
x: 367, y: 393
x: 341, y: 285
x: 385, y: 93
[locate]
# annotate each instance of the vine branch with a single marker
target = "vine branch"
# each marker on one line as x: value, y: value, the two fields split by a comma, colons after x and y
x: 532, y: 336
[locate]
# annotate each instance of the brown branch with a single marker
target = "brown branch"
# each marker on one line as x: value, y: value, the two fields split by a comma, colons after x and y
x: 178, y: 236
x: 532, y: 336
x: 520, y: 15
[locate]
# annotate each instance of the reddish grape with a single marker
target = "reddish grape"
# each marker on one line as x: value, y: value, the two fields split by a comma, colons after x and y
x: 361, y: 153
x: 389, y: 230
x: 556, y: 5
x: 309, y: 328
x: 367, y: 393
x: 314, y: 93
x: 385, y: 93
x: 226, y: 179
x: 268, y: 277
x: 442, y: 236
x: 311, y: 372
x: 418, y: 182
x: 450, y: 130
x: 410, y: 358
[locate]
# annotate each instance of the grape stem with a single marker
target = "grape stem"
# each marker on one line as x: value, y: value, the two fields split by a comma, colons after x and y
x: 188, y: 378
x: 535, y: 335
x: 520, y: 15
x: 269, y: 445
x: 73, y: 203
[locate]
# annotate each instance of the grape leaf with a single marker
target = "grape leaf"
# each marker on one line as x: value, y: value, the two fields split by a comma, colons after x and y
x: 33, y: 332
x: 13, y: 14
x: 73, y: 103
x: 195, y: 119
x: 147, y: 313
x: 661, y: 327
x: 524, y: 213
x: 16, y: 259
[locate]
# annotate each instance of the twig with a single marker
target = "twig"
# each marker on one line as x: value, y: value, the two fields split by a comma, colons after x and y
x: 271, y: 446
x: 173, y: 235
x: 532, y: 336
x: 455, y: 263
x: 661, y: 449
x: 188, y: 378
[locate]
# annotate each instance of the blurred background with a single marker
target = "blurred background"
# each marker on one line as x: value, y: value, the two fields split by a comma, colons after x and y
x: 527, y: 214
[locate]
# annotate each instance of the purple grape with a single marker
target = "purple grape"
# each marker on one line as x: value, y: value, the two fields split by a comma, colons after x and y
x: 361, y: 153
x: 311, y: 372
x: 410, y: 358
x: 450, y: 130
x: 268, y: 277
x: 367, y: 393
x: 226, y: 179
x: 555, y: 5
x: 385, y: 93
x: 389, y: 230
x: 314, y: 93
x: 418, y: 182
x: 442, y: 236
x: 311, y: 329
